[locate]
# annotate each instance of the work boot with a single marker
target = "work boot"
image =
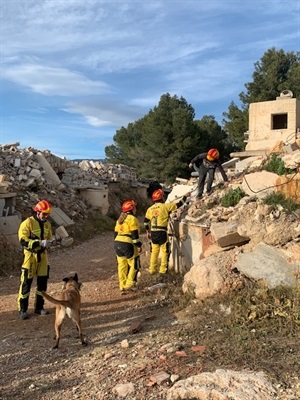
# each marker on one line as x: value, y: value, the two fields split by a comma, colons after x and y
x: 24, y: 315
x: 130, y: 289
x: 41, y: 312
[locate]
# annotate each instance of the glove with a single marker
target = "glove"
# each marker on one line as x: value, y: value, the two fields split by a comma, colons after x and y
x: 191, y: 165
x: 45, y: 243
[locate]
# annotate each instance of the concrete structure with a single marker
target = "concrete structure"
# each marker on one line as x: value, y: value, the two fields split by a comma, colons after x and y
x: 9, y: 219
x: 96, y: 197
x: 49, y: 172
x: 273, y: 121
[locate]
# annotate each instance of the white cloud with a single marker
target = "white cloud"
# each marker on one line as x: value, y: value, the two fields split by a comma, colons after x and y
x: 53, y: 81
x: 105, y: 112
x: 106, y: 63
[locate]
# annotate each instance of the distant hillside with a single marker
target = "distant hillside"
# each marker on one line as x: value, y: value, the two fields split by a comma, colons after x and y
x: 88, y: 159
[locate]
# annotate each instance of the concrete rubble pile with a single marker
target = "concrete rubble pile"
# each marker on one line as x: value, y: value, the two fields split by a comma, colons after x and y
x: 28, y: 175
x: 30, y: 167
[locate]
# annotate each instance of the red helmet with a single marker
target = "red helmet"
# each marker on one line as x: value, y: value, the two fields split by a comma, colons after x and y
x: 213, y: 154
x: 158, y: 195
x: 43, y: 206
x: 128, y: 205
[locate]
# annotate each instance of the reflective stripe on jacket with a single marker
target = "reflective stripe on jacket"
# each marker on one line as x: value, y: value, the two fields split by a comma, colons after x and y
x: 31, y: 231
x: 128, y: 232
x: 157, y: 216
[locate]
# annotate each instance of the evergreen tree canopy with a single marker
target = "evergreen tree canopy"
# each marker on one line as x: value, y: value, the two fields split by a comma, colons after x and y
x: 275, y: 72
x: 161, y: 144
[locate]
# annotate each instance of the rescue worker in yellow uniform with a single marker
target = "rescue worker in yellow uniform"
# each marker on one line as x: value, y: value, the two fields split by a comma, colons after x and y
x: 127, y: 246
x: 35, y: 236
x: 156, y: 224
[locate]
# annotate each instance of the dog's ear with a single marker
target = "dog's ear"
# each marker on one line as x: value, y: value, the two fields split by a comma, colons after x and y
x: 76, y: 277
x: 66, y: 280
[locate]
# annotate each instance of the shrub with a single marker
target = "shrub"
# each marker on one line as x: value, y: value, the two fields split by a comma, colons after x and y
x: 232, y: 197
x: 275, y: 199
x: 276, y: 165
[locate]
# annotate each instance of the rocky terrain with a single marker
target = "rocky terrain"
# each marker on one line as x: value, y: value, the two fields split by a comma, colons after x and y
x: 237, y: 339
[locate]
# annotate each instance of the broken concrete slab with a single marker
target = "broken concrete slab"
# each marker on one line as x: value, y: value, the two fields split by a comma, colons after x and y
x: 268, y: 264
x: 60, y: 218
x: 226, y: 234
x: 260, y: 183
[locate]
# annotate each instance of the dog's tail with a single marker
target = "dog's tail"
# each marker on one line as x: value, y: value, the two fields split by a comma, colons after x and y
x: 65, y: 303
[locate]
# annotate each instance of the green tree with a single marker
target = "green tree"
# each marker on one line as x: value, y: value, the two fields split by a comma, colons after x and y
x: 214, y: 136
x: 275, y: 72
x: 160, y: 144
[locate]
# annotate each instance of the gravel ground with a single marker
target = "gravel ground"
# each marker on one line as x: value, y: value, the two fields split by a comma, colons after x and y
x: 31, y: 369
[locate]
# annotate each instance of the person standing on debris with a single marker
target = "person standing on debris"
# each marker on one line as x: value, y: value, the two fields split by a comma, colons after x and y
x: 156, y: 225
x: 127, y: 246
x: 35, y: 236
x: 206, y: 164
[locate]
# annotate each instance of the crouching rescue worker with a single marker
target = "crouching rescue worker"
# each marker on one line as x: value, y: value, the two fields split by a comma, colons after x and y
x: 156, y: 224
x: 206, y: 164
x: 35, y: 236
x: 127, y: 246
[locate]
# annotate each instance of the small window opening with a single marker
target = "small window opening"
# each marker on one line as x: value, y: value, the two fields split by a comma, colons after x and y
x: 279, y: 121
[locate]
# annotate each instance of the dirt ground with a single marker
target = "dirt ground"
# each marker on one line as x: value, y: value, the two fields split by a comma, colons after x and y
x: 31, y: 369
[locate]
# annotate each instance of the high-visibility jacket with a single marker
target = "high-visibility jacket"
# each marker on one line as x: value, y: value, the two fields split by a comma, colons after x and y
x: 128, y: 231
x: 157, y: 215
x: 31, y: 231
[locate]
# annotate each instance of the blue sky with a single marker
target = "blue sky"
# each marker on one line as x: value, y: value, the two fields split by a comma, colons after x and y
x: 75, y: 71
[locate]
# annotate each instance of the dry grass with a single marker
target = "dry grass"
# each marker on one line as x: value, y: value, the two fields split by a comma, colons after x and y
x: 253, y: 328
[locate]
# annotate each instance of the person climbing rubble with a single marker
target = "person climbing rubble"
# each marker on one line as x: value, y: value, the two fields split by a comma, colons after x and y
x: 156, y: 225
x: 35, y: 236
x: 206, y: 164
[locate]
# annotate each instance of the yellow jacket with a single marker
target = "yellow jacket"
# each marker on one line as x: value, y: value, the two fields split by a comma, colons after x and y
x: 157, y: 216
x: 128, y: 231
x: 31, y: 231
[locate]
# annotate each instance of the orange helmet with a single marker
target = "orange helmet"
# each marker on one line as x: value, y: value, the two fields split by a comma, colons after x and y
x: 213, y: 154
x: 158, y: 195
x: 128, y: 205
x: 43, y: 206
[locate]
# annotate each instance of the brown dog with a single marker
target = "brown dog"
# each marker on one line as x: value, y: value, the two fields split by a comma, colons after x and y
x: 68, y: 303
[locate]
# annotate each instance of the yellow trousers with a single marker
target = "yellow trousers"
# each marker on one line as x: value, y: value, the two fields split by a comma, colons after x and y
x: 127, y: 271
x: 163, y: 251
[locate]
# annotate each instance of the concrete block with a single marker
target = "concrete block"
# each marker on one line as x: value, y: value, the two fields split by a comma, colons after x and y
x: 61, y: 232
x: 9, y: 225
x: 29, y: 182
x: 33, y: 164
x: 35, y: 172
x: 60, y: 218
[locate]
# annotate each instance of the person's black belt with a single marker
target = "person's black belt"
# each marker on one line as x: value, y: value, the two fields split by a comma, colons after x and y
x: 159, y: 228
x: 124, y: 234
